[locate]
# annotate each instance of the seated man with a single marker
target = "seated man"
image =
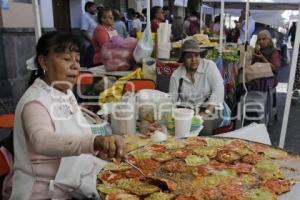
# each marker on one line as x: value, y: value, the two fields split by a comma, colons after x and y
x: 198, y: 84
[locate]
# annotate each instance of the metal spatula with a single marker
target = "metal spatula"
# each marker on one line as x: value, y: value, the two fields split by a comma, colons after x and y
x: 134, y: 166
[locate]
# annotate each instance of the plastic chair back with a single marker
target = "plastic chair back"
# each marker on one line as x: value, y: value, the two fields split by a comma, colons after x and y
x: 85, y: 78
x: 7, y: 120
x: 135, y: 85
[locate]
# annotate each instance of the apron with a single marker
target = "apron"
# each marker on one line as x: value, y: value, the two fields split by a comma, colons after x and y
x: 111, y: 32
x: 76, y: 175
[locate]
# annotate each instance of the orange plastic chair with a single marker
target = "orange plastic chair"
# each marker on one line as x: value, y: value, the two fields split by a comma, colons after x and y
x: 135, y: 85
x: 85, y: 78
x: 7, y: 121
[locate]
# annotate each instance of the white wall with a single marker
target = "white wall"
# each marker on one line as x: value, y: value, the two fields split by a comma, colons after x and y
x: 76, y: 12
x: 46, y: 12
x: 133, y: 4
x: 19, y: 15
x: 158, y: 3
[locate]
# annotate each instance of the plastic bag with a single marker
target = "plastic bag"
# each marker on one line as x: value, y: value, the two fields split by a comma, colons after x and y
x: 117, y: 53
x: 114, y: 93
x: 144, y: 46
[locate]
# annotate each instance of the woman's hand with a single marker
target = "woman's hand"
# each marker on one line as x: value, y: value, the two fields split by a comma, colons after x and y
x: 109, y: 147
x: 260, y: 56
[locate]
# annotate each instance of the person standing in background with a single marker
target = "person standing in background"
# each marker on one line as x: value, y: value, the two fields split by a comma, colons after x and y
x: 251, y: 27
x: 88, y: 25
x: 144, y: 13
x: 119, y: 25
x: 136, y: 24
x: 191, y: 25
x: 216, y: 26
x: 103, y: 32
x: 156, y: 16
x: 292, y: 33
x: 296, y: 85
x: 177, y: 28
x: 167, y: 14
x: 234, y: 33
x: 99, y: 7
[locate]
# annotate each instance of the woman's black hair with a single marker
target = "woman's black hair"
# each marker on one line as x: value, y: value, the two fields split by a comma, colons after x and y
x: 130, y: 13
x: 101, y: 13
x: 153, y: 12
x: 55, y: 41
x: 218, y: 19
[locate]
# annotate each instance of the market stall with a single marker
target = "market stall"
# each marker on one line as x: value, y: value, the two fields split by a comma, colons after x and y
x: 189, y: 167
x: 272, y: 5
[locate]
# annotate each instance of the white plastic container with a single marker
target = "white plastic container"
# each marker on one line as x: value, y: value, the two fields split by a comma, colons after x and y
x: 152, y: 106
x: 123, y: 120
x: 183, y: 121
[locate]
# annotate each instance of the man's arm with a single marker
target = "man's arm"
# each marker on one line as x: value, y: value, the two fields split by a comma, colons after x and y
x: 86, y: 36
x: 84, y: 28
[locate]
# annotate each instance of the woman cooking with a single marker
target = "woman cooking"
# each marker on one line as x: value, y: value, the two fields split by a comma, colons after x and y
x: 198, y: 83
x: 55, y: 150
x: 103, y: 32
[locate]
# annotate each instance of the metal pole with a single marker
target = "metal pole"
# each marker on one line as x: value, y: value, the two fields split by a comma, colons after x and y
x: 247, y: 22
x: 201, y: 16
x: 204, y: 18
x: 221, y: 28
x: 37, y: 19
x: 290, y: 85
x: 244, y: 62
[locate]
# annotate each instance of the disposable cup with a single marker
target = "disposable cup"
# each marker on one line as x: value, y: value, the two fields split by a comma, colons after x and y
x: 123, y: 120
x: 183, y: 120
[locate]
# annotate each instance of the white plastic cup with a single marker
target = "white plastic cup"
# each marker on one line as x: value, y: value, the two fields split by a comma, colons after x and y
x: 123, y: 120
x: 183, y: 121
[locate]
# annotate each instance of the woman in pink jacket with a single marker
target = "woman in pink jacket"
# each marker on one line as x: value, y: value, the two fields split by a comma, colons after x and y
x: 55, y: 150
